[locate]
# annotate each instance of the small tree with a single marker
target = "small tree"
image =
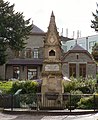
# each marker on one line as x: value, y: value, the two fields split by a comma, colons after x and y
x: 13, y: 29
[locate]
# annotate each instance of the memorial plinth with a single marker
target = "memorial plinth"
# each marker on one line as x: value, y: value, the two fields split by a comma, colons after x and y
x: 52, y: 77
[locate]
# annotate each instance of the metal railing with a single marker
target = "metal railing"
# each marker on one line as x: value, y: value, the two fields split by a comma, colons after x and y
x: 50, y: 101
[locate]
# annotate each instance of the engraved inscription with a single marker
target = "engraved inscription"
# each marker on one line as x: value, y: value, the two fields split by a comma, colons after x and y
x: 52, y: 67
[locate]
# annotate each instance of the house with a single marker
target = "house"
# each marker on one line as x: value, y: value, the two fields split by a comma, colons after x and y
x: 78, y: 62
x: 27, y: 64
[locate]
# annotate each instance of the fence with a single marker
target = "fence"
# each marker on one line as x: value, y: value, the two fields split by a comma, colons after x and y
x: 51, y: 101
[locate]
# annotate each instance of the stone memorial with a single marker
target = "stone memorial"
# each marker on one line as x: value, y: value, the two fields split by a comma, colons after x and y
x: 52, y: 77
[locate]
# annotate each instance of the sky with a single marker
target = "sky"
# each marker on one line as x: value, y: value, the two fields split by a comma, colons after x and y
x: 70, y: 15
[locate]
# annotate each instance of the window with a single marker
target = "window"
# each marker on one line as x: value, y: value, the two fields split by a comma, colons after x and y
x: 52, y: 53
x: 77, y: 56
x: 32, y: 73
x: 91, y: 44
x: 36, y: 53
x: 82, y: 70
x: 16, y: 72
x: 28, y: 52
x: 72, y: 70
x: 17, y: 54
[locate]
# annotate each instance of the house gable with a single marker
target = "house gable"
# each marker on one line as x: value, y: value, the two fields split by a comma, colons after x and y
x: 78, y: 62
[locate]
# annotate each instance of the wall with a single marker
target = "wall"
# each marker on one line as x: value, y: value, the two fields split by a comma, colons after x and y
x: 83, y: 58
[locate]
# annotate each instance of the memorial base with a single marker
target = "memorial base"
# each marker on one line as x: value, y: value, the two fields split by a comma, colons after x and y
x: 51, y: 101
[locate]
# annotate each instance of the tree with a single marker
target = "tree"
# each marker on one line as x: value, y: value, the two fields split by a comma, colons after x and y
x: 95, y: 52
x: 2, y: 54
x: 95, y: 21
x: 95, y: 27
x: 14, y: 29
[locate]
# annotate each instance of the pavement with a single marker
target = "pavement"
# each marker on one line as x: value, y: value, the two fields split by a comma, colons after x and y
x: 43, y: 117
x: 48, y: 112
x: 28, y: 114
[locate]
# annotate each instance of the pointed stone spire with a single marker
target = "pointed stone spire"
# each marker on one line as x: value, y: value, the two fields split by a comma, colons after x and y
x: 52, y: 25
x: 52, y: 14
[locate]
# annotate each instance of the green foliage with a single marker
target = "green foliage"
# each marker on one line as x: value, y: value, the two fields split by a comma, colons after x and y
x: 28, y: 99
x: 95, y: 21
x: 12, y: 86
x: 86, y: 86
x: 86, y: 103
x: 2, y: 54
x: 95, y: 52
x: 69, y: 86
x: 5, y: 86
x: 14, y: 29
x: 95, y: 27
x: 26, y: 86
x: 75, y: 98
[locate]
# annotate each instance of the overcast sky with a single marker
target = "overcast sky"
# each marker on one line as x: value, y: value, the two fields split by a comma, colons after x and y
x: 72, y: 14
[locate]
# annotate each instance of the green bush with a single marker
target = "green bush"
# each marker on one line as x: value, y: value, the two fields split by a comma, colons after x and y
x: 87, y: 86
x: 26, y: 86
x: 28, y: 99
x: 74, y: 98
x: 68, y: 86
x: 90, y: 102
x: 86, y: 103
x: 5, y: 86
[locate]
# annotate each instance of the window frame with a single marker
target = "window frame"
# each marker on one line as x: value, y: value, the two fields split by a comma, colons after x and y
x: 33, y: 71
x: 82, y: 70
x: 72, y: 68
x: 16, y: 71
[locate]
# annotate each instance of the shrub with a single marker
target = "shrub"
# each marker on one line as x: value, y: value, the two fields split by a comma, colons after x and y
x: 5, y: 86
x: 26, y: 86
x: 89, y: 102
x: 75, y: 98
x: 28, y: 99
x: 68, y: 86
x: 87, y: 85
x: 86, y: 103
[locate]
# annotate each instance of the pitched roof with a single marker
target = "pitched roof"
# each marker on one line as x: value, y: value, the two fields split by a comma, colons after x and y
x: 36, y: 29
x: 25, y: 62
x: 77, y: 47
x: 65, y: 38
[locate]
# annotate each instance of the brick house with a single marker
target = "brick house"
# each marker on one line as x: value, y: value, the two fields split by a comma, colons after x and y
x: 78, y: 62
